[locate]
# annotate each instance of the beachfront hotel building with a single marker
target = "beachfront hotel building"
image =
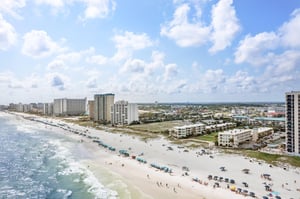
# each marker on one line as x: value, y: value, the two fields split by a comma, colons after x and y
x: 91, y: 109
x: 220, y: 127
x: 235, y: 137
x: 48, y: 109
x: 69, y: 107
x: 187, y: 130
x: 292, y: 126
x: 124, y: 113
x: 258, y: 133
x: 102, y: 107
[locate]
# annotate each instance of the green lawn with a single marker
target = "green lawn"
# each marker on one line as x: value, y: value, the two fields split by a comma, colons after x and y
x: 208, y: 137
x: 157, y: 127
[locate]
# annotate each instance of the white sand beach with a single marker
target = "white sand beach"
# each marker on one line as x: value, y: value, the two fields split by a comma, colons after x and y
x: 145, y: 181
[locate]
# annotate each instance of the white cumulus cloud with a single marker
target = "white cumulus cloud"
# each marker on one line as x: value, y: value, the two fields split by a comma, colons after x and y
x: 211, y: 81
x: 98, y: 8
x: 189, y: 31
x: 290, y: 30
x: 134, y: 66
x: 11, y: 7
x: 37, y: 44
x: 269, y: 47
x: 58, y: 81
x: 128, y: 42
x: 184, y: 32
x: 97, y: 59
x: 56, y: 65
x: 254, y: 49
x: 171, y: 70
x: 286, y: 62
x: 53, y: 3
x: 225, y: 25
x: 91, y: 82
x: 92, y: 8
x: 8, y: 35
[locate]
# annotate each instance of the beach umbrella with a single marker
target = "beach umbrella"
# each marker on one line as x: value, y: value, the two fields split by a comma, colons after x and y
x: 195, y: 179
x: 232, y: 188
x: 275, y: 193
x: 252, y: 194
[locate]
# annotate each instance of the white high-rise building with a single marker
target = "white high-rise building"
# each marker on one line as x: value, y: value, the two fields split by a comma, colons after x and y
x: 292, y: 127
x: 64, y: 107
x: 102, y: 107
x: 124, y: 113
x: 48, y: 109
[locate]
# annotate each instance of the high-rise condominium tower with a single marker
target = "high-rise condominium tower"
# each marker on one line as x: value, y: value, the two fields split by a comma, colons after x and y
x: 292, y: 126
x: 64, y: 106
x: 124, y: 113
x: 102, y: 105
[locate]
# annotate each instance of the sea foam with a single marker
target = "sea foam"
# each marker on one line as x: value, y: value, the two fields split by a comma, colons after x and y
x: 70, y: 166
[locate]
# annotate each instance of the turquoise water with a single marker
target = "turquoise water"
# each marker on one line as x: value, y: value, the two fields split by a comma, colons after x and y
x: 37, y: 164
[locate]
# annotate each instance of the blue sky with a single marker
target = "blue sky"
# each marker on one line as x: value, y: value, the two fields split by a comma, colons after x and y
x: 146, y: 51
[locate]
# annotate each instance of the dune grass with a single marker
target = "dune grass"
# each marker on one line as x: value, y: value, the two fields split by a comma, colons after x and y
x: 274, y: 159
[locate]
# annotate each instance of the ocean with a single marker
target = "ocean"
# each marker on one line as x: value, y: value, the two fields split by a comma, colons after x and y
x: 38, y: 164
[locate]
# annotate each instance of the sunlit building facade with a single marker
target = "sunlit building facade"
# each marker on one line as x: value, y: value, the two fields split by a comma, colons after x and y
x: 69, y: 107
x: 235, y: 137
x: 124, y: 113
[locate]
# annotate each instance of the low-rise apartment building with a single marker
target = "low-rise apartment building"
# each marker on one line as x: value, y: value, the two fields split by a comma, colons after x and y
x: 187, y: 130
x: 261, y: 132
x: 235, y: 137
x: 220, y: 127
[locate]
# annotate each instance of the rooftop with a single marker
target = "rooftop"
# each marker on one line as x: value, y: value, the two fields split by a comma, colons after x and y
x: 234, y: 131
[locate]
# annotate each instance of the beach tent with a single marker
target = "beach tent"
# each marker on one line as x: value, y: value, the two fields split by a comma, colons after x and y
x: 232, y: 188
x: 252, y: 194
x: 222, y: 168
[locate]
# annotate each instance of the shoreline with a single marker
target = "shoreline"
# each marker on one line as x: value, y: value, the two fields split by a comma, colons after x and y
x: 148, y: 182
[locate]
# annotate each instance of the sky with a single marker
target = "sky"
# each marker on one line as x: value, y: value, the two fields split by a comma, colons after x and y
x: 149, y: 50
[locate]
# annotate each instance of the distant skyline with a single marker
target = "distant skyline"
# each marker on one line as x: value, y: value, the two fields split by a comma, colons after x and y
x: 146, y: 51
